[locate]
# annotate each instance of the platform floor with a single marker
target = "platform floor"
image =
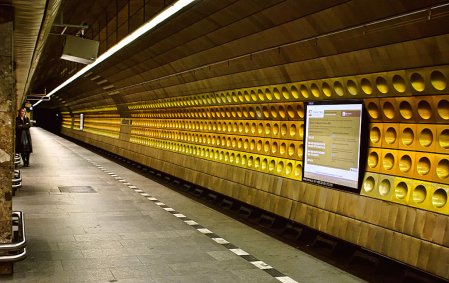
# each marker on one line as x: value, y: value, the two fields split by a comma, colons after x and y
x: 128, y: 228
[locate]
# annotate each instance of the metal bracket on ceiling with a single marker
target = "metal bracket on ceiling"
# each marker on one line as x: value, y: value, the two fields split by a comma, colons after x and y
x: 38, y: 97
x: 81, y: 27
x: 42, y: 97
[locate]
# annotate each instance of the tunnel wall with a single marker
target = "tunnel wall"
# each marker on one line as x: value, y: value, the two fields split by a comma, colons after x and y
x: 212, y: 139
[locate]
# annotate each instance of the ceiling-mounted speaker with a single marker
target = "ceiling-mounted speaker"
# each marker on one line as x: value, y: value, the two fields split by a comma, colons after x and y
x: 80, y: 50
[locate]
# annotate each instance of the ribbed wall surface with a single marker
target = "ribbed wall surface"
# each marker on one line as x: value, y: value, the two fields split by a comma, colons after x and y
x: 216, y: 95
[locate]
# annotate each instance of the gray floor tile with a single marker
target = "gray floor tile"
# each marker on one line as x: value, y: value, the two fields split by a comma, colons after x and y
x: 117, y: 235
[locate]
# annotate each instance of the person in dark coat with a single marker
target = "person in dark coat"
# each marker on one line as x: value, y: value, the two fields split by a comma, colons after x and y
x: 23, y: 137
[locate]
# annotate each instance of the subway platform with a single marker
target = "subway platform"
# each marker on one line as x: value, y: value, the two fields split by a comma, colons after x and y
x: 89, y: 219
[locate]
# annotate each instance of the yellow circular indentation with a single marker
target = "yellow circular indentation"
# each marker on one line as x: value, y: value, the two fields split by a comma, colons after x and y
x: 338, y: 88
x: 274, y: 112
x: 290, y: 111
x: 282, y: 112
x: 260, y: 129
x: 250, y: 162
x: 443, y: 139
x: 373, y: 110
x: 399, y: 83
x: 280, y: 167
x: 289, y: 168
x: 443, y: 109
x: 373, y: 159
x: 293, y: 130
x: 382, y: 85
x: 223, y: 98
x: 384, y: 187
x: 390, y: 135
x: 368, y: 184
x: 301, y: 131
x: 285, y: 93
x: 315, y: 90
x: 264, y: 164
x: 275, y: 128
x: 417, y: 82
x: 234, y: 97
x: 352, y: 87
x: 419, y: 194
x: 366, y: 85
x: 235, y: 127
x: 257, y: 163
x: 298, y: 170
x: 443, y: 169
x: 253, y: 95
x: 438, y: 80
x: 300, y: 110
x: 277, y: 94
x: 407, y: 136
x: 268, y: 94
x: 253, y: 128
x: 240, y: 111
x: 405, y: 109
x: 294, y: 92
x: 374, y: 135
x: 423, y: 166
x: 424, y: 109
x: 251, y: 112
x: 266, y: 147
x: 304, y: 91
x: 426, y: 137
x: 300, y: 151
x: 388, y: 110
x: 388, y: 161
x: 266, y: 112
x: 326, y: 89
x: 228, y: 142
x: 259, y: 112
x: 439, y: 198
x: 252, y: 145
x: 244, y: 160
x: 401, y: 190
x: 237, y: 159
x: 259, y: 145
x: 282, y: 148
x: 405, y: 164
x: 246, y: 96
x: 267, y: 129
x: 261, y: 95
x: 233, y: 112
x: 291, y: 150
x: 283, y: 130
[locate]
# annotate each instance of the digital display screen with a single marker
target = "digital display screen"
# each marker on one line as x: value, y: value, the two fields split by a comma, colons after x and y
x: 332, y: 144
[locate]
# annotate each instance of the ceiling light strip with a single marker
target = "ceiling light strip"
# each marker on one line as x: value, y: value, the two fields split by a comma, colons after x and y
x: 127, y: 40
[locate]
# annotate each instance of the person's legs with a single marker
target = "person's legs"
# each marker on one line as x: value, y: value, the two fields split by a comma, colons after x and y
x: 24, y: 158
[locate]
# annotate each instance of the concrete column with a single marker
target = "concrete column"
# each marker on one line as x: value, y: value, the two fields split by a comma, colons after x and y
x: 7, y: 127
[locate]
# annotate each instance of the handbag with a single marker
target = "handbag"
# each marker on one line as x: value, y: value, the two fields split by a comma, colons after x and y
x: 25, y: 141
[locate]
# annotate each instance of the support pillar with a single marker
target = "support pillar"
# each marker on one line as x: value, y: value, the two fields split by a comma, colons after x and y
x: 7, y: 127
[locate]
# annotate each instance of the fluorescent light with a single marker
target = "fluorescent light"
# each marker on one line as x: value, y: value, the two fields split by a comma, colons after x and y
x: 130, y: 38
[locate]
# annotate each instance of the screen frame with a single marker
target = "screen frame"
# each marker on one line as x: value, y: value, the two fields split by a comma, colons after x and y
x: 363, y: 144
